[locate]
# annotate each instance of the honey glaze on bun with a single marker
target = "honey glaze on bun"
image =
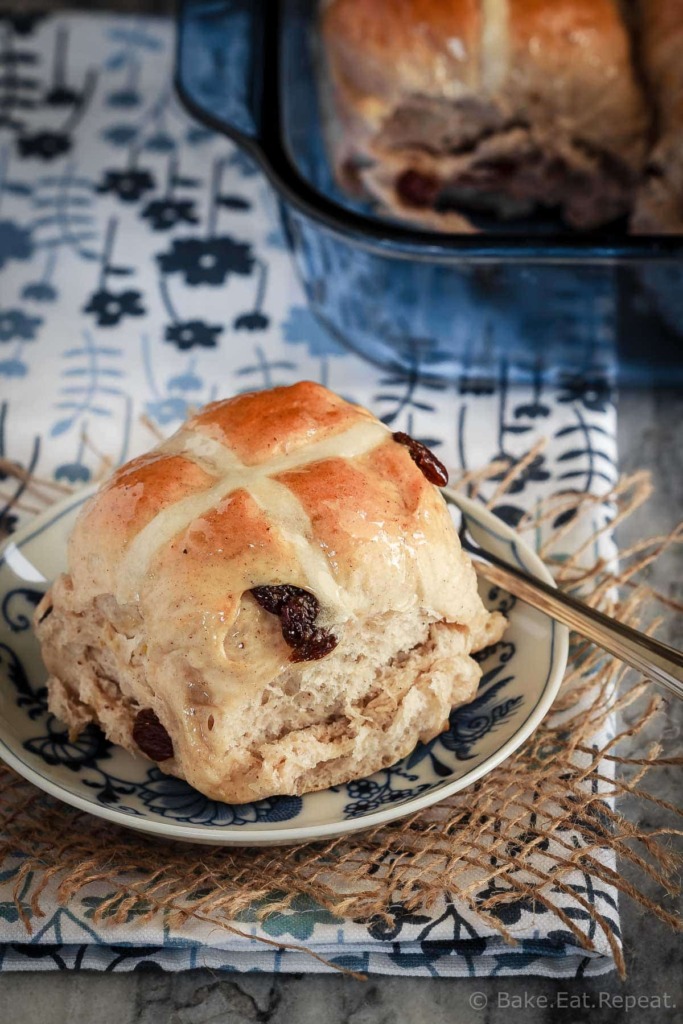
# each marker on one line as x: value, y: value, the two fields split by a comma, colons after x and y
x: 272, y: 601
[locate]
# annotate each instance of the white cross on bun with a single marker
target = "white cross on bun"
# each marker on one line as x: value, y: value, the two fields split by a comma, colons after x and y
x: 272, y: 601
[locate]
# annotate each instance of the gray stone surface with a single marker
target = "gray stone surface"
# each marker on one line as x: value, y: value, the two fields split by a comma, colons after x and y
x: 650, y: 435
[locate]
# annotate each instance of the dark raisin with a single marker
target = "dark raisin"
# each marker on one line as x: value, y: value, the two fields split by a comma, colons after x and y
x: 297, y: 617
x: 151, y: 736
x: 417, y: 189
x: 297, y: 610
x: 273, y: 598
x: 316, y: 646
x: 425, y: 460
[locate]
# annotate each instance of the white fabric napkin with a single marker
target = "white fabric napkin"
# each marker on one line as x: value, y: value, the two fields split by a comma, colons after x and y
x: 143, y: 272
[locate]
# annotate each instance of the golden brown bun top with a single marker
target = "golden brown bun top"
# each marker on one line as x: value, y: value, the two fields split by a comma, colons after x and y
x: 263, y: 424
x: 289, y: 486
x: 566, y: 62
x: 388, y: 46
x: 589, y: 30
x: 442, y: 39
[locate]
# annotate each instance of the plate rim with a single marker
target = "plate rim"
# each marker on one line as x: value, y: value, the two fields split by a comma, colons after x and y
x: 218, y: 835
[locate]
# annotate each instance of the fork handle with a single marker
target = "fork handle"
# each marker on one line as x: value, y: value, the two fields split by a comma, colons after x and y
x: 655, y: 660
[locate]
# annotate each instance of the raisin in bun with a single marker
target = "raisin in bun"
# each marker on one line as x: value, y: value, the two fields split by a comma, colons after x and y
x: 272, y: 601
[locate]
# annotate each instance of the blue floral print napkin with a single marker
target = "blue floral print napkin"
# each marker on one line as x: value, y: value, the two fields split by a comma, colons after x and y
x: 142, y: 273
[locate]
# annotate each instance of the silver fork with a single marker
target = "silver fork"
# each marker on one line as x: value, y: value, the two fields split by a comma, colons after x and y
x: 655, y: 660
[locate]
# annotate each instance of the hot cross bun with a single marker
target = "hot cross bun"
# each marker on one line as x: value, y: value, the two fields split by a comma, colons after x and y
x: 440, y: 107
x: 274, y: 600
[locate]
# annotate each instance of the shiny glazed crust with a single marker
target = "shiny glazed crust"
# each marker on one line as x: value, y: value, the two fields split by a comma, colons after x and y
x: 289, y: 487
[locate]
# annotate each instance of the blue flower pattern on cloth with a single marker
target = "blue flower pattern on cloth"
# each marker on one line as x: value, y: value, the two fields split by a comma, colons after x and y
x: 15, y: 242
x: 207, y: 261
x: 15, y: 324
x: 144, y: 274
x: 39, y: 291
x: 173, y: 798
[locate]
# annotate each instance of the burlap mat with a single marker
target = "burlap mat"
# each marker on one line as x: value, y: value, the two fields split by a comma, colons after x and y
x: 517, y: 835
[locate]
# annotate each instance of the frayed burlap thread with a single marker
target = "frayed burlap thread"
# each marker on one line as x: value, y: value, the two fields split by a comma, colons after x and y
x: 518, y: 835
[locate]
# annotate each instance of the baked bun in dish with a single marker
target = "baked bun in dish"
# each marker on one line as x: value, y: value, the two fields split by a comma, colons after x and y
x: 437, y: 107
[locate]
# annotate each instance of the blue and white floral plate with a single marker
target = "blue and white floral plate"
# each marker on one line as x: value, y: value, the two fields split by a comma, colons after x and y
x: 521, y: 676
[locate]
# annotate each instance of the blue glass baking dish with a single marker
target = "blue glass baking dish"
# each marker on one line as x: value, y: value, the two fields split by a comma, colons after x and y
x: 574, y: 309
